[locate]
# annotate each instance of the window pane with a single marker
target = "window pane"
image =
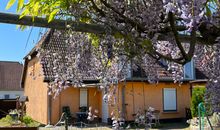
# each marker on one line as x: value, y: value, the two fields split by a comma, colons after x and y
x: 83, y: 97
x: 169, y: 99
x: 188, y: 70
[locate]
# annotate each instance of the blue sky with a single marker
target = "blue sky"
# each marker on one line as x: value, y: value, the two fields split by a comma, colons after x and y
x: 13, y: 42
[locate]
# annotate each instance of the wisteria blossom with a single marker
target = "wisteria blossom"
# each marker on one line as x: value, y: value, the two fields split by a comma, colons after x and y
x: 137, y: 33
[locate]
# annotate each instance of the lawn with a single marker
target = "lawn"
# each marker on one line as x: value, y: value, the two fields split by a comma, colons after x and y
x: 163, y: 126
x: 177, y: 126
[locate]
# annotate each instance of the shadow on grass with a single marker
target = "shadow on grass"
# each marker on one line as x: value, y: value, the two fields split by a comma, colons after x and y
x: 175, y: 125
x: 165, y: 126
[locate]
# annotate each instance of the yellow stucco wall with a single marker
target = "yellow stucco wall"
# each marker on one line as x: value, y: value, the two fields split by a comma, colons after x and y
x: 141, y: 96
x: 138, y: 96
x: 36, y: 90
x: 71, y: 97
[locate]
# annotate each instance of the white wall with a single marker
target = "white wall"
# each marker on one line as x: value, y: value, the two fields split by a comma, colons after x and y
x: 12, y: 94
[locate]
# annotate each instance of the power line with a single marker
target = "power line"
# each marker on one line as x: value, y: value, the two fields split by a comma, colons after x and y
x: 28, y: 38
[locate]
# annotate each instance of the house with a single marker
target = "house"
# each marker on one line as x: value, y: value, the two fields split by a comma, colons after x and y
x: 10, y: 77
x: 136, y: 94
x: 10, y: 86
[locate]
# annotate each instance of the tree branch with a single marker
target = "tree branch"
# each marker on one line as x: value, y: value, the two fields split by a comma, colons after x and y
x: 56, y: 24
x: 174, y: 30
x: 102, y: 13
x: 126, y: 19
x: 192, y: 43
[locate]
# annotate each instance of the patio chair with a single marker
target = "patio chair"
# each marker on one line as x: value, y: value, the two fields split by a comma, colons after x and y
x: 68, y: 115
x: 156, y: 117
x: 83, y: 109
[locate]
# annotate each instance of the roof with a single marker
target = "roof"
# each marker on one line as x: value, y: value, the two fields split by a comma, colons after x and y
x: 200, y: 75
x: 55, y: 43
x: 10, y: 76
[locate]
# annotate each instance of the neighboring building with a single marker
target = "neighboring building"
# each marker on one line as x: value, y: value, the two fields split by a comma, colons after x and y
x: 166, y: 96
x: 10, y: 85
x: 10, y: 79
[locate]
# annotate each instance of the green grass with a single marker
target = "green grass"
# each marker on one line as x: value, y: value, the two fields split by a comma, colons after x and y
x: 173, y: 125
x: 5, y: 124
x: 27, y: 121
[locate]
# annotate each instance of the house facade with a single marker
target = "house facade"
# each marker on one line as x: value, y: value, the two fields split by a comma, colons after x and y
x: 10, y: 77
x: 134, y: 94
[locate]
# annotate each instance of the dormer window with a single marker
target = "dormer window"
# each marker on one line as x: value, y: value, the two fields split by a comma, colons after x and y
x: 138, y: 73
x: 189, y: 70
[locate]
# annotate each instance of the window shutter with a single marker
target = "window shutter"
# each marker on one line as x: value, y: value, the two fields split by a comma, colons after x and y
x: 83, y: 97
x: 169, y: 99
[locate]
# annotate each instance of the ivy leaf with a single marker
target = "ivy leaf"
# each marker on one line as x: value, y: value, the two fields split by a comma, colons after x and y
x: 20, y: 5
x: 10, y: 3
x: 52, y: 15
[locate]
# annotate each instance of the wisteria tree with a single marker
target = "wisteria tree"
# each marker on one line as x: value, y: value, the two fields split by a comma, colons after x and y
x: 143, y: 32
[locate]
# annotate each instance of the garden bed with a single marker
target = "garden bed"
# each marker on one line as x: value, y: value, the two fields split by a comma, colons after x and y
x: 18, y: 128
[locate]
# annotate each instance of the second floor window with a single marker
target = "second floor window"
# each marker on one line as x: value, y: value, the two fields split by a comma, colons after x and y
x: 189, y: 70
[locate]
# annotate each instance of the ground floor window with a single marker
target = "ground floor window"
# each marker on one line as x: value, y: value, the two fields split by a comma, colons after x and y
x: 169, y: 99
x: 83, y: 97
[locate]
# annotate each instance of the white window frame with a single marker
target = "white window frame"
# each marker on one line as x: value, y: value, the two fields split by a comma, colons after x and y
x: 169, y: 99
x: 192, y: 70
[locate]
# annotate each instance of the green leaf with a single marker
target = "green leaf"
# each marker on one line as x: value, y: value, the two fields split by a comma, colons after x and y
x: 10, y: 3
x: 146, y: 43
x: 20, y: 5
x: 21, y: 27
x: 25, y: 12
x: 52, y: 15
x: 118, y: 35
x: 208, y: 11
x: 109, y: 63
x: 94, y: 39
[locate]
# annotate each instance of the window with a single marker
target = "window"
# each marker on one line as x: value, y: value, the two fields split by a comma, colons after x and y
x: 189, y: 70
x: 138, y: 73
x: 129, y: 69
x: 169, y: 99
x: 83, y: 97
x: 7, y: 96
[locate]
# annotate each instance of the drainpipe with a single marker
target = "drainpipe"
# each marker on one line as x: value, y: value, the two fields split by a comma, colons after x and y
x: 49, y: 109
x: 123, y: 99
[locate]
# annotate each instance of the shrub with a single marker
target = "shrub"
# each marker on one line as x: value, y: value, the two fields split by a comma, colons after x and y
x: 197, y: 97
x: 6, y: 121
x: 30, y: 122
x: 26, y: 121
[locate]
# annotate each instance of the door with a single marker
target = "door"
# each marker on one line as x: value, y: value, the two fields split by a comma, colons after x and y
x: 104, y: 110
